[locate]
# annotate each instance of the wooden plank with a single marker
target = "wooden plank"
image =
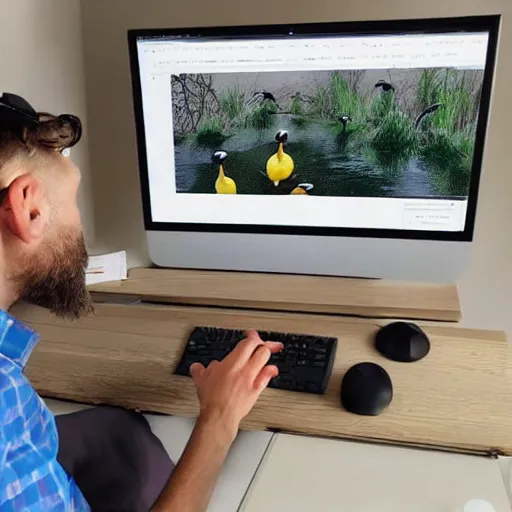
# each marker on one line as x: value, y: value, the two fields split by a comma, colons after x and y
x: 458, y: 398
x: 332, y: 295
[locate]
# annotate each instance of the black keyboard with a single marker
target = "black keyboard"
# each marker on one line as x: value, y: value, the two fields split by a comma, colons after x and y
x: 305, y: 364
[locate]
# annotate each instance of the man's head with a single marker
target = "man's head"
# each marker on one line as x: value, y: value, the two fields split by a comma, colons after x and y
x: 42, y: 250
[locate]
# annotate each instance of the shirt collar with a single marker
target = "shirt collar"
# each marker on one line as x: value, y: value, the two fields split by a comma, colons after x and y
x: 17, y: 341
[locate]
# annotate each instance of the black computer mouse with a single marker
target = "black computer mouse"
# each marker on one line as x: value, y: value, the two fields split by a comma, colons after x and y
x: 366, y: 389
x: 402, y: 341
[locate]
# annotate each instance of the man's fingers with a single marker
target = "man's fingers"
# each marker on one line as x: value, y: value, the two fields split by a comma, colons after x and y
x: 274, y: 346
x: 245, y: 349
x: 265, y: 376
x: 259, y: 359
x: 262, y: 355
x: 196, y: 371
x: 252, y: 334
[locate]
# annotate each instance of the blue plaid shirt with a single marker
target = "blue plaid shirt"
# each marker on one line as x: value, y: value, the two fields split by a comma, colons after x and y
x: 31, y: 479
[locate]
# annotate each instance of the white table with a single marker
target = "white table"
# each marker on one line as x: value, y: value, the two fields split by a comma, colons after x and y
x: 308, y: 474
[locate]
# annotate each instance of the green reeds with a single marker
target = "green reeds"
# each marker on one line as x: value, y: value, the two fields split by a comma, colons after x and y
x: 211, y: 132
x: 233, y: 102
x: 395, y: 134
x: 336, y: 99
x: 296, y: 105
x: 383, y: 103
x: 262, y: 116
x: 452, y: 90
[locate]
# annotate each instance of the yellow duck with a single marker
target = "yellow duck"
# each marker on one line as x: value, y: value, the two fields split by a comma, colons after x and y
x: 280, y: 165
x: 223, y: 185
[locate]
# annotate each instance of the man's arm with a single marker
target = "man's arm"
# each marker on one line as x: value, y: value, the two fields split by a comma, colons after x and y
x: 227, y: 392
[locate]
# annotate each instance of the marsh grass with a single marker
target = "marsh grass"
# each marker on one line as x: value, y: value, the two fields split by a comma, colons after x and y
x: 337, y: 98
x: 447, y: 136
x: 453, y: 92
x: 383, y: 104
x: 233, y: 102
x: 395, y: 135
x: 297, y: 105
x: 262, y: 116
x: 211, y: 132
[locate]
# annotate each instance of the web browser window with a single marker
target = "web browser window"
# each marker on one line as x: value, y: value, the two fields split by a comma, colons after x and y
x: 322, y: 131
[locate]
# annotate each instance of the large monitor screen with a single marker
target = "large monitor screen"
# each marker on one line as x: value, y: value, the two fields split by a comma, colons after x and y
x: 323, y: 129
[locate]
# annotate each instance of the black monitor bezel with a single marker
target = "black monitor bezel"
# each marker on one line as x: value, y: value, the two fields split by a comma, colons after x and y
x: 489, y: 23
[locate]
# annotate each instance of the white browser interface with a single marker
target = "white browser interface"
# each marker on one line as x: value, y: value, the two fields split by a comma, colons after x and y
x: 347, y: 132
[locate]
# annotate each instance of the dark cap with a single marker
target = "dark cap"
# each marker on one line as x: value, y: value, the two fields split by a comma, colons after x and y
x: 17, y: 105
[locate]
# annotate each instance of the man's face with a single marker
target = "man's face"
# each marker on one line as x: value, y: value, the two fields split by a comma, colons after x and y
x: 53, y: 277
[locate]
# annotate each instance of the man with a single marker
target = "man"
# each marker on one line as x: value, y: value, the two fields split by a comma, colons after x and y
x: 42, y: 260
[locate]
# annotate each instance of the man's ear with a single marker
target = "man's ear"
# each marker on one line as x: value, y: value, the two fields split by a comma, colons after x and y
x: 22, y: 210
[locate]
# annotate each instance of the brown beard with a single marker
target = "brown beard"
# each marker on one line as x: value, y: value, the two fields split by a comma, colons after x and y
x: 55, y: 278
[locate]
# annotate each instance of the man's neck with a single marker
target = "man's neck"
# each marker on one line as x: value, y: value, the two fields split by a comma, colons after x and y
x: 7, y: 295
x: 5, y: 305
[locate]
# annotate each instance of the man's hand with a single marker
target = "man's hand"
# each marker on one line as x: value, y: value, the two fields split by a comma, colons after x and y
x: 227, y: 392
x: 229, y: 389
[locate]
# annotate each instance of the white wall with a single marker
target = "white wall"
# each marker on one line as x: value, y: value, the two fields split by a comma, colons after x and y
x: 486, y: 288
x: 41, y: 59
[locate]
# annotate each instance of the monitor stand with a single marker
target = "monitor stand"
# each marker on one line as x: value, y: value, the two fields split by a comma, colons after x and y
x: 283, y: 292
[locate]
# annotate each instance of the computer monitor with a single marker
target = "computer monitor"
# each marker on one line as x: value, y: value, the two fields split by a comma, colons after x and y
x: 350, y: 149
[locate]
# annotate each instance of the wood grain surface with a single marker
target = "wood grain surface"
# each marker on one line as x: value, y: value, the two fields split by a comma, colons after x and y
x: 334, y: 295
x: 458, y: 398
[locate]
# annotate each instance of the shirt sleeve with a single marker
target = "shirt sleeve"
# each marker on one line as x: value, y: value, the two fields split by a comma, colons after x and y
x: 6, y: 478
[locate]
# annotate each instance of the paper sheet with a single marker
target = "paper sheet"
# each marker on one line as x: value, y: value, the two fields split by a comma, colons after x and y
x: 107, y: 267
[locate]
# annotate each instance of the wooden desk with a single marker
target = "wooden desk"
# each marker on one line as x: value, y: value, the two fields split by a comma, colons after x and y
x: 458, y: 398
